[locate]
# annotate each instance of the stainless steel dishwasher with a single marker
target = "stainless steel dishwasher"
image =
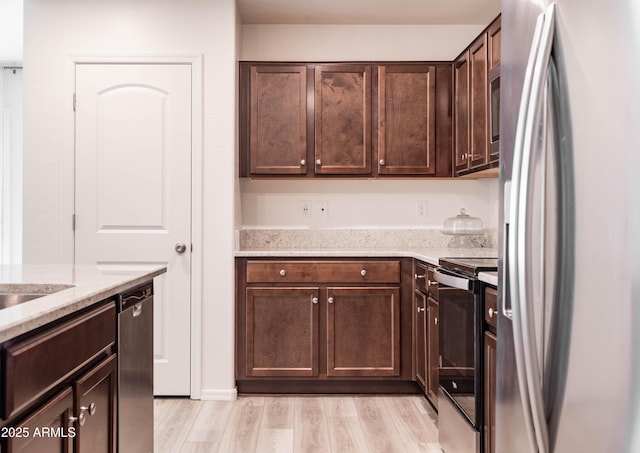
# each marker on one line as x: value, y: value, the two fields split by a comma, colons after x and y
x: 135, y: 370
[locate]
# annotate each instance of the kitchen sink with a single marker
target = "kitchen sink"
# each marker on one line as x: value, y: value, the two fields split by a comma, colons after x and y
x: 15, y: 294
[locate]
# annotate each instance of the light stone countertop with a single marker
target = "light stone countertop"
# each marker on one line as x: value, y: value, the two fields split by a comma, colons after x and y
x: 489, y: 277
x: 90, y: 285
x: 428, y: 255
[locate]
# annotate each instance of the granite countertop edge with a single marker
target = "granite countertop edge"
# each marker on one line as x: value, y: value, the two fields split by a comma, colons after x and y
x: 428, y: 255
x: 90, y: 286
x: 490, y: 278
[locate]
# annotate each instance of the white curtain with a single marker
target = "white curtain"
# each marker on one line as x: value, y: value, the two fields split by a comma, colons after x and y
x: 10, y: 165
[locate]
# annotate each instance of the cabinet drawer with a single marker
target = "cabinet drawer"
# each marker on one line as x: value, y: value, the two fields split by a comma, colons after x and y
x: 425, y: 281
x: 323, y: 271
x: 35, y: 365
x: 420, y: 276
x: 491, y: 306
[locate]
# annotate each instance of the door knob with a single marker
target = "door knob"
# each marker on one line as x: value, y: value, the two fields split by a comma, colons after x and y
x: 181, y: 248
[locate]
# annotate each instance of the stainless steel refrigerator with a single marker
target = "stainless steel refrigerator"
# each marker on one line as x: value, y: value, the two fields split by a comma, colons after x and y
x: 568, y: 354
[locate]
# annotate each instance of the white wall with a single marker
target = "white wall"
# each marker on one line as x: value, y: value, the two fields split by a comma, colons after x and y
x: 365, y: 203
x: 356, y: 42
x: 11, y: 31
x: 55, y: 29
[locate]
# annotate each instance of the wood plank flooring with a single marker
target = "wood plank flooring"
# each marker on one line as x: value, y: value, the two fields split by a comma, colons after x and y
x: 297, y: 424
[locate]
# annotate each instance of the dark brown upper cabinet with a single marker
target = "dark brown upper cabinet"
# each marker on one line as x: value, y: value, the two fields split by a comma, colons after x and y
x: 478, y: 101
x: 337, y: 119
x: 461, y: 117
x: 493, y: 36
x: 406, y: 120
x: 274, y: 127
x: 342, y: 120
x: 476, y: 104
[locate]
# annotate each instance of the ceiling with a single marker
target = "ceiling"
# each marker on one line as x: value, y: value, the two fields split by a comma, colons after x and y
x: 372, y: 12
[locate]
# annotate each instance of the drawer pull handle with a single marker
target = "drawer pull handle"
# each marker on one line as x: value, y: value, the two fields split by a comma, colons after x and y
x: 363, y: 272
x: 314, y: 300
x: 330, y: 300
x: 418, y: 277
x: 283, y: 272
x: 491, y: 312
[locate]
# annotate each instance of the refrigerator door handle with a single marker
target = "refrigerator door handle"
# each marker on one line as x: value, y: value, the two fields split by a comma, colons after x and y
x: 526, y: 351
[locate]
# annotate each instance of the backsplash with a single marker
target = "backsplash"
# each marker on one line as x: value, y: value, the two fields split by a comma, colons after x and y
x: 353, y: 238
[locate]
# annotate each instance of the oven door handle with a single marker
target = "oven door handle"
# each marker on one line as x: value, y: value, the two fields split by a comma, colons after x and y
x: 453, y: 281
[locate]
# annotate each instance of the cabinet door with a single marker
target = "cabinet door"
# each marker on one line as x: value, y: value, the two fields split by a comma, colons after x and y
x: 95, y: 400
x: 48, y: 429
x: 281, y: 331
x: 406, y: 120
x: 421, y: 339
x: 363, y: 331
x: 277, y: 135
x: 490, y: 344
x: 342, y: 119
x: 433, y: 351
x: 461, y: 113
x: 479, y: 134
x: 494, y: 37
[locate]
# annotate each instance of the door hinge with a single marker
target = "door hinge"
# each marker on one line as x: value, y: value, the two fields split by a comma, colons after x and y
x: 73, y: 222
x: 74, y: 102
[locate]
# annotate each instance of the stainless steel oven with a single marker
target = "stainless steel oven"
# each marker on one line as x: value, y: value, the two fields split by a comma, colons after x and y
x: 461, y: 352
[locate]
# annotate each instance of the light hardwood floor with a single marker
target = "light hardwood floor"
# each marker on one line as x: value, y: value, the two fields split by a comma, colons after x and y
x: 299, y: 424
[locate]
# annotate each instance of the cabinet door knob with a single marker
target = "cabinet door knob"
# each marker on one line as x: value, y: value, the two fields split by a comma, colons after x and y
x: 435, y: 321
x: 283, y: 272
x: 303, y: 163
x: 382, y: 162
x: 491, y: 312
x: 318, y: 162
x: 314, y: 300
x: 363, y: 272
x: 330, y: 300
x: 81, y: 419
x: 91, y: 408
x: 418, y: 277
x: 420, y: 309
x: 432, y: 283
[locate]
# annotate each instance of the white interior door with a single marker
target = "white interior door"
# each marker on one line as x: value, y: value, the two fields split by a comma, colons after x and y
x: 133, y: 192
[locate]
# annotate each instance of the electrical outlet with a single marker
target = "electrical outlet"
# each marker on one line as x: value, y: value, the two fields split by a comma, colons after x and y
x: 306, y: 208
x: 421, y: 209
x: 322, y: 208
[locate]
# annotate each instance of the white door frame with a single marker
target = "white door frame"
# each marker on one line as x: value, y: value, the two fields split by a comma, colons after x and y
x: 68, y: 177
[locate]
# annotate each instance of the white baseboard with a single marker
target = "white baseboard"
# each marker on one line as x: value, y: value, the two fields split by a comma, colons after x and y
x: 219, y: 395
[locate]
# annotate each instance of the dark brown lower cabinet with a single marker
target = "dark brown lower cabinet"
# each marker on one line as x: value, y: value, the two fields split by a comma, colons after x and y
x: 363, y: 332
x: 433, y: 348
x: 54, y: 416
x: 59, y: 386
x: 490, y: 344
x: 422, y: 349
x: 281, y: 331
x: 323, y: 325
x: 426, y: 331
x: 95, y: 402
x: 81, y: 415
